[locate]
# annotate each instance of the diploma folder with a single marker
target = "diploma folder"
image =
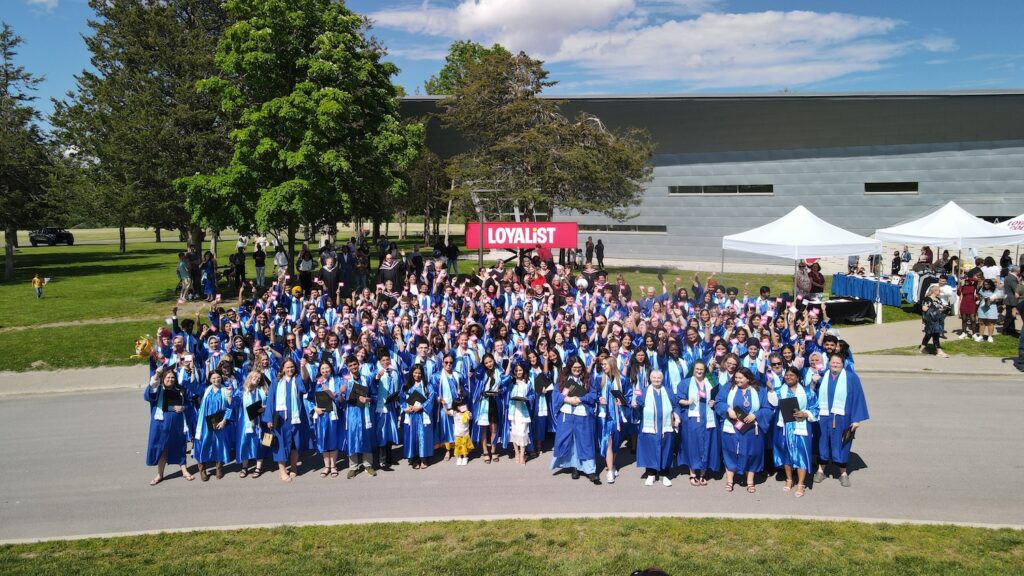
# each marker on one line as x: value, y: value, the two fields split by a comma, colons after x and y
x: 619, y: 395
x: 172, y: 398
x: 416, y: 397
x: 787, y: 406
x: 324, y: 401
x: 492, y: 393
x: 253, y: 410
x: 213, y: 419
x: 578, y: 390
x: 541, y: 382
x: 848, y: 435
x: 741, y: 426
x: 522, y: 399
x: 357, y: 391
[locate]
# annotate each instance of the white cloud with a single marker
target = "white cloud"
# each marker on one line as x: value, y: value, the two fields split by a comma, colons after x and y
x: 48, y: 5
x: 654, y: 40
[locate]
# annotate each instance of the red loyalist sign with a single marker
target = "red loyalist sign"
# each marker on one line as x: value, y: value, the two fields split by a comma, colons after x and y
x: 522, y: 234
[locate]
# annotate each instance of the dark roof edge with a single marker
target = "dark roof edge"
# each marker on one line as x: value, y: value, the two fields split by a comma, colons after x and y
x: 762, y: 95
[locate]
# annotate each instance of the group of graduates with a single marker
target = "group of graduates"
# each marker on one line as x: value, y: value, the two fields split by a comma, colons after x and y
x: 448, y: 367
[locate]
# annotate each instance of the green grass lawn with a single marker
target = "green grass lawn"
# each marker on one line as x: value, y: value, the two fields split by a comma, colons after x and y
x: 571, y: 547
x: 73, y: 346
x: 1003, y: 347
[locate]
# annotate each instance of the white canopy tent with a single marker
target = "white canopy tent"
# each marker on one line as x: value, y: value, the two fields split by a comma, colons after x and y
x: 953, y: 227
x: 800, y: 235
x: 1014, y: 224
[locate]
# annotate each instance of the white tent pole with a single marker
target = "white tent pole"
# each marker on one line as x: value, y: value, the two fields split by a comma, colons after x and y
x: 878, y: 298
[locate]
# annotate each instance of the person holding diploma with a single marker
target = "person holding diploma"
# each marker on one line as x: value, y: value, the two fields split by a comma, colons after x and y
x: 613, y: 412
x: 450, y: 387
x: 792, y: 438
x: 417, y: 406
x: 489, y: 406
x: 213, y: 441
x: 324, y: 394
x: 166, y: 441
x: 745, y: 414
x: 287, y: 419
x: 360, y: 437
x: 541, y: 418
x: 659, y: 420
x: 574, y: 400
x: 521, y: 396
x: 250, y: 404
x: 841, y: 409
x: 386, y: 407
x: 699, y: 448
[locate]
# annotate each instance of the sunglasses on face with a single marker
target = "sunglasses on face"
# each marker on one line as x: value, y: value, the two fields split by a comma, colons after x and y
x: 776, y: 363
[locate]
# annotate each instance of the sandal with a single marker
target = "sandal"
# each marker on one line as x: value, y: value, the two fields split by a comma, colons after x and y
x: 447, y: 456
x: 728, y: 486
x: 334, y: 473
x: 800, y: 491
x: 257, y: 473
x: 243, y: 473
x: 787, y: 487
x: 156, y: 480
x: 285, y: 477
x: 694, y: 481
x: 203, y: 474
x: 325, y: 472
x: 703, y: 481
x: 487, y: 458
x: 188, y: 476
x: 751, y: 489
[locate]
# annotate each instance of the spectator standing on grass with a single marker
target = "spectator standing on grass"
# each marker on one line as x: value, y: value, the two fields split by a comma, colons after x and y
x: 1011, y: 285
x: 184, y: 279
x: 968, y: 293
x: 259, y: 261
x: 990, y: 269
x: 590, y: 249
x: 306, y: 264
x: 802, y: 280
x: 988, y: 310
x: 452, y: 253
x: 280, y: 262
x: 933, y: 315
x: 599, y: 252
x: 208, y: 272
x: 37, y: 284
x: 238, y: 264
x: 194, y: 261
x: 817, y: 280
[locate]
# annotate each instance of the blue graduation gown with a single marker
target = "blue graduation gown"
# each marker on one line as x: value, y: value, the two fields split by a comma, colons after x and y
x: 788, y: 447
x: 386, y: 413
x: 249, y: 434
x: 360, y: 436
x: 214, y: 445
x: 288, y: 436
x: 574, y: 434
x: 540, y: 424
x: 167, y: 434
x: 447, y: 388
x: 327, y: 431
x: 830, y: 438
x: 699, y: 447
x: 654, y: 449
x: 744, y: 453
x: 500, y: 404
x: 418, y: 427
x: 612, y: 420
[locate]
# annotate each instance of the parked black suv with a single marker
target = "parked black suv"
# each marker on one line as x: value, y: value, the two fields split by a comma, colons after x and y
x: 51, y: 236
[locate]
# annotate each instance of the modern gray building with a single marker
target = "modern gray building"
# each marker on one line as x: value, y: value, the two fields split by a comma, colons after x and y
x: 728, y: 163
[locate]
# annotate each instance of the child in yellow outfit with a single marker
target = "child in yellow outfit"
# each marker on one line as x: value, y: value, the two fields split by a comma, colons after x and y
x: 463, y: 443
x: 38, y: 284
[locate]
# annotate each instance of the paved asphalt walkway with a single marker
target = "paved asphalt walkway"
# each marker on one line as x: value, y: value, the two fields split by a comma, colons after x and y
x: 935, y: 450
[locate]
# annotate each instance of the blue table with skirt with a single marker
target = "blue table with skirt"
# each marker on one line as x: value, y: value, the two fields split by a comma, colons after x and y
x: 863, y: 288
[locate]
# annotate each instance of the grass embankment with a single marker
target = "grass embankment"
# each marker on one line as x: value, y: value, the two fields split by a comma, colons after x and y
x: 92, y: 282
x: 1002, y: 347
x: 571, y: 547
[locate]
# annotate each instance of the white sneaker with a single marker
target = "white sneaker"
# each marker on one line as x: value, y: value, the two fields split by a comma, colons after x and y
x: 963, y: 336
x: 649, y: 481
x: 665, y: 481
x: 616, y: 472
x: 610, y: 477
x: 977, y: 337
x: 990, y: 339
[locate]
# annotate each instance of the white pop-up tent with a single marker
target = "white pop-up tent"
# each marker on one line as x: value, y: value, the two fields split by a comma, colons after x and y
x: 953, y: 227
x: 1014, y: 224
x: 800, y: 235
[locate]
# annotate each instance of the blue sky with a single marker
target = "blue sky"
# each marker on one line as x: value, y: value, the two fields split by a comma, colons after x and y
x: 653, y: 46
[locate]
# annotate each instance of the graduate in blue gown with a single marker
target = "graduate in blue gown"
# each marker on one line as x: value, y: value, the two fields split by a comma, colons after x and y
x: 327, y: 424
x: 166, y: 427
x: 449, y: 386
x: 286, y: 418
x: 521, y: 395
x: 417, y: 418
x: 841, y: 406
x: 656, y: 435
x: 574, y: 434
x: 360, y: 437
x: 489, y: 401
x: 793, y: 440
x: 214, y: 443
x: 613, y: 425
x: 388, y: 384
x: 743, y: 451
x: 249, y: 431
x: 699, y: 448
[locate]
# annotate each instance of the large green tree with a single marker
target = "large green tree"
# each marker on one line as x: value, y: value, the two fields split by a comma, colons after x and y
x: 524, y: 154
x: 319, y: 138
x: 462, y: 54
x: 24, y: 157
x: 136, y: 122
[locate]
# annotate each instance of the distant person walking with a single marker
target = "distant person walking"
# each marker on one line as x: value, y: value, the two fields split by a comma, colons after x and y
x: 599, y: 252
x: 37, y: 284
x: 184, y: 278
x: 590, y: 250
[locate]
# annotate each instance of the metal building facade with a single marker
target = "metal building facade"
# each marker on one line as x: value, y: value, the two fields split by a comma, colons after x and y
x: 815, y: 150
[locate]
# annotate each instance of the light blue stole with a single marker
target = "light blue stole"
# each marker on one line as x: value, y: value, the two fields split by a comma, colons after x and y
x: 838, y: 405
x: 651, y: 396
